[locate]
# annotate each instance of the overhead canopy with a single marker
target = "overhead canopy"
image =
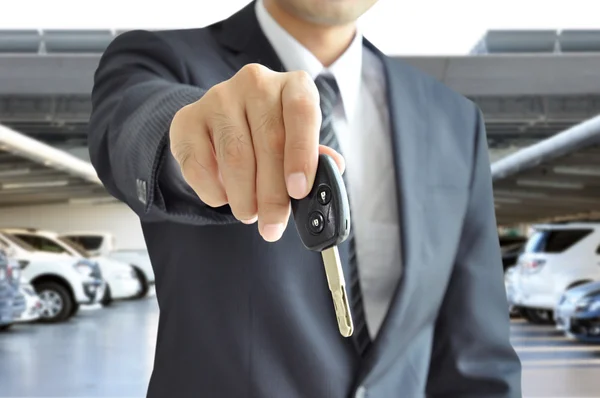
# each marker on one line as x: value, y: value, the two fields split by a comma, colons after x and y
x: 491, y: 75
x: 556, y: 178
x: 34, y: 173
x: 46, y: 77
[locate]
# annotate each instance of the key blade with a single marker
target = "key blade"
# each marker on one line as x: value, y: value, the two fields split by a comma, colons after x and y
x: 337, y: 285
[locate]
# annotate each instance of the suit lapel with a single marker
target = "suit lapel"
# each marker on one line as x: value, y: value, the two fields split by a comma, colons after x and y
x: 408, y: 119
x: 242, y: 35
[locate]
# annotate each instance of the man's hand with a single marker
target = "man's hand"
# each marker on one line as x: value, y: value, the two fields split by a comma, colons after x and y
x: 252, y: 142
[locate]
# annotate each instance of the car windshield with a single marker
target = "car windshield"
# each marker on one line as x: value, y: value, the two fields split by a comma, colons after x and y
x: 85, y: 242
x: 75, y: 246
x: 19, y: 242
x: 554, y: 240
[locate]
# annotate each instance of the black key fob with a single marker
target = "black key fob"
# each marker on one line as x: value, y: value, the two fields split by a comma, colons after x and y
x: 323, y: 216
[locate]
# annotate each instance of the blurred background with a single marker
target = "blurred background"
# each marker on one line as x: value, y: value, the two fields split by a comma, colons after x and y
x: 78, y: 313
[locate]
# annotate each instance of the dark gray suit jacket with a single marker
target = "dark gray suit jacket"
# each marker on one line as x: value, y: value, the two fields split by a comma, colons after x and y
x: 240, y: 317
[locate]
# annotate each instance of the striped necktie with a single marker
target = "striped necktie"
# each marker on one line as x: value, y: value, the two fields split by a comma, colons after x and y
x: 330, y: 95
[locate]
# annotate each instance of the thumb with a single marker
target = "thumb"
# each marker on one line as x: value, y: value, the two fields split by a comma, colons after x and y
x: 339, y: 159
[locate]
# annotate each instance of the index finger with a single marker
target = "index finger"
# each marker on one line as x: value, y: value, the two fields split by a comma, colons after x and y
x: 302, y: 121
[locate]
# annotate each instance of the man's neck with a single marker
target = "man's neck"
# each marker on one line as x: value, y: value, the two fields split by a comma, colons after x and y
x: 326, y: 43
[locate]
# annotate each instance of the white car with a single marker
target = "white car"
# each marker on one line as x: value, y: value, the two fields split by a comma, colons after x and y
x: 62, y: 283
x: 556, y: 258
x: 121, y: 279
x: 104, y: 244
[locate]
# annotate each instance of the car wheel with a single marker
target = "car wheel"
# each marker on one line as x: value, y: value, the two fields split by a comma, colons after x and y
x: 107, y: 298
x: 57, y: 303
x: 538, y: 317
x: 74, y: 310
x: 143, y: 282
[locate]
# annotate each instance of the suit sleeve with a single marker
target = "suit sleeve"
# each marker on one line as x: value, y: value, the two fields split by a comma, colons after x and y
x: 140, y: 83
x: 472, y: 355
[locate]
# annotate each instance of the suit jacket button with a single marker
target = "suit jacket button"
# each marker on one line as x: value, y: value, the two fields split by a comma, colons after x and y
x: 361, y: 392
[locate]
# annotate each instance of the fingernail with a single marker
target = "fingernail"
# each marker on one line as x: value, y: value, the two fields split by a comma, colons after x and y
x: 272, y: 232
x: 296, y: 185
x: 250, y: 221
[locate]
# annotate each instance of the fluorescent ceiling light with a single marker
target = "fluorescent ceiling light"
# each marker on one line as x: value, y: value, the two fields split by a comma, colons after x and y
x: 92, y: 201
x: 578, y: 171
x: 520, y: 194
x: 550, y: 184
x: 14, y: 172
x: 507, y: 200
x: 38, y: 184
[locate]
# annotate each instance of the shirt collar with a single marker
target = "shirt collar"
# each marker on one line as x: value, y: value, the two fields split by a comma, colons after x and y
x: 346, y: 69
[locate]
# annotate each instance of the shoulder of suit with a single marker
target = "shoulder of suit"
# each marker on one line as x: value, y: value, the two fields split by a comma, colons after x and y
x: 437, y: 92
x: 449, y: 112
x: 176, y: 39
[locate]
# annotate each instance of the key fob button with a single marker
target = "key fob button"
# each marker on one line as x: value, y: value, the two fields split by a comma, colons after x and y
x: 324, y: 195
x: 316, y: 222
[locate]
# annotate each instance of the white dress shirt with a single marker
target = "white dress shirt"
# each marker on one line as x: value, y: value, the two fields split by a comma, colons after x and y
x: 361, y: 123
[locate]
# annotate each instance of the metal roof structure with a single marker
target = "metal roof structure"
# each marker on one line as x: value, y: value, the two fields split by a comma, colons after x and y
x: 533, y: 94
x: 34, y: 173
x: 556, y: 178
x: 46, y: 78
x: 538, y: 41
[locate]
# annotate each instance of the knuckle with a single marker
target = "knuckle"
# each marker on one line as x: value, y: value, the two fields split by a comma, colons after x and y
x: 271, y: 134
x: 182, y: 150
x: 304, y: 80
x: 303, y: 104
x: 179, y: 122
x: 218, y: 95
x: 197, y: 172
x: 274, y: 202
x: 302, y: 77
x: 254, y: 73
x: 232, y: 146
x: 300, y: 145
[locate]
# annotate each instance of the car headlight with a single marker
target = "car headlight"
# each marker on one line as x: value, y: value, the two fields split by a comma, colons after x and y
x: 84, y: 269
x: 588, y: 304
x: 594, y: 305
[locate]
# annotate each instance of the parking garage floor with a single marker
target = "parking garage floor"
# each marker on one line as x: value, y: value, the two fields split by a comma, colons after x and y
x: 109, y: 353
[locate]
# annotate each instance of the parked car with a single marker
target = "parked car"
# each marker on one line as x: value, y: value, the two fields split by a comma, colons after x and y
x: 12, y: 302
x: 62, y: 283
x: 556, y: 257
x: 104, y: 244
x: 7, y: 294
x: 121, y: 279
x: 509, y: 284
x: 578, y: 312
x: 511, y: 248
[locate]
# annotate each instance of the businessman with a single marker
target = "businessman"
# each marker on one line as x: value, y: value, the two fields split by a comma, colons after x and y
x: 207, y: 133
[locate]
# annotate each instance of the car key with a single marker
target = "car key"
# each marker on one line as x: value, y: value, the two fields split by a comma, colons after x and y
x: 323, y: 222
